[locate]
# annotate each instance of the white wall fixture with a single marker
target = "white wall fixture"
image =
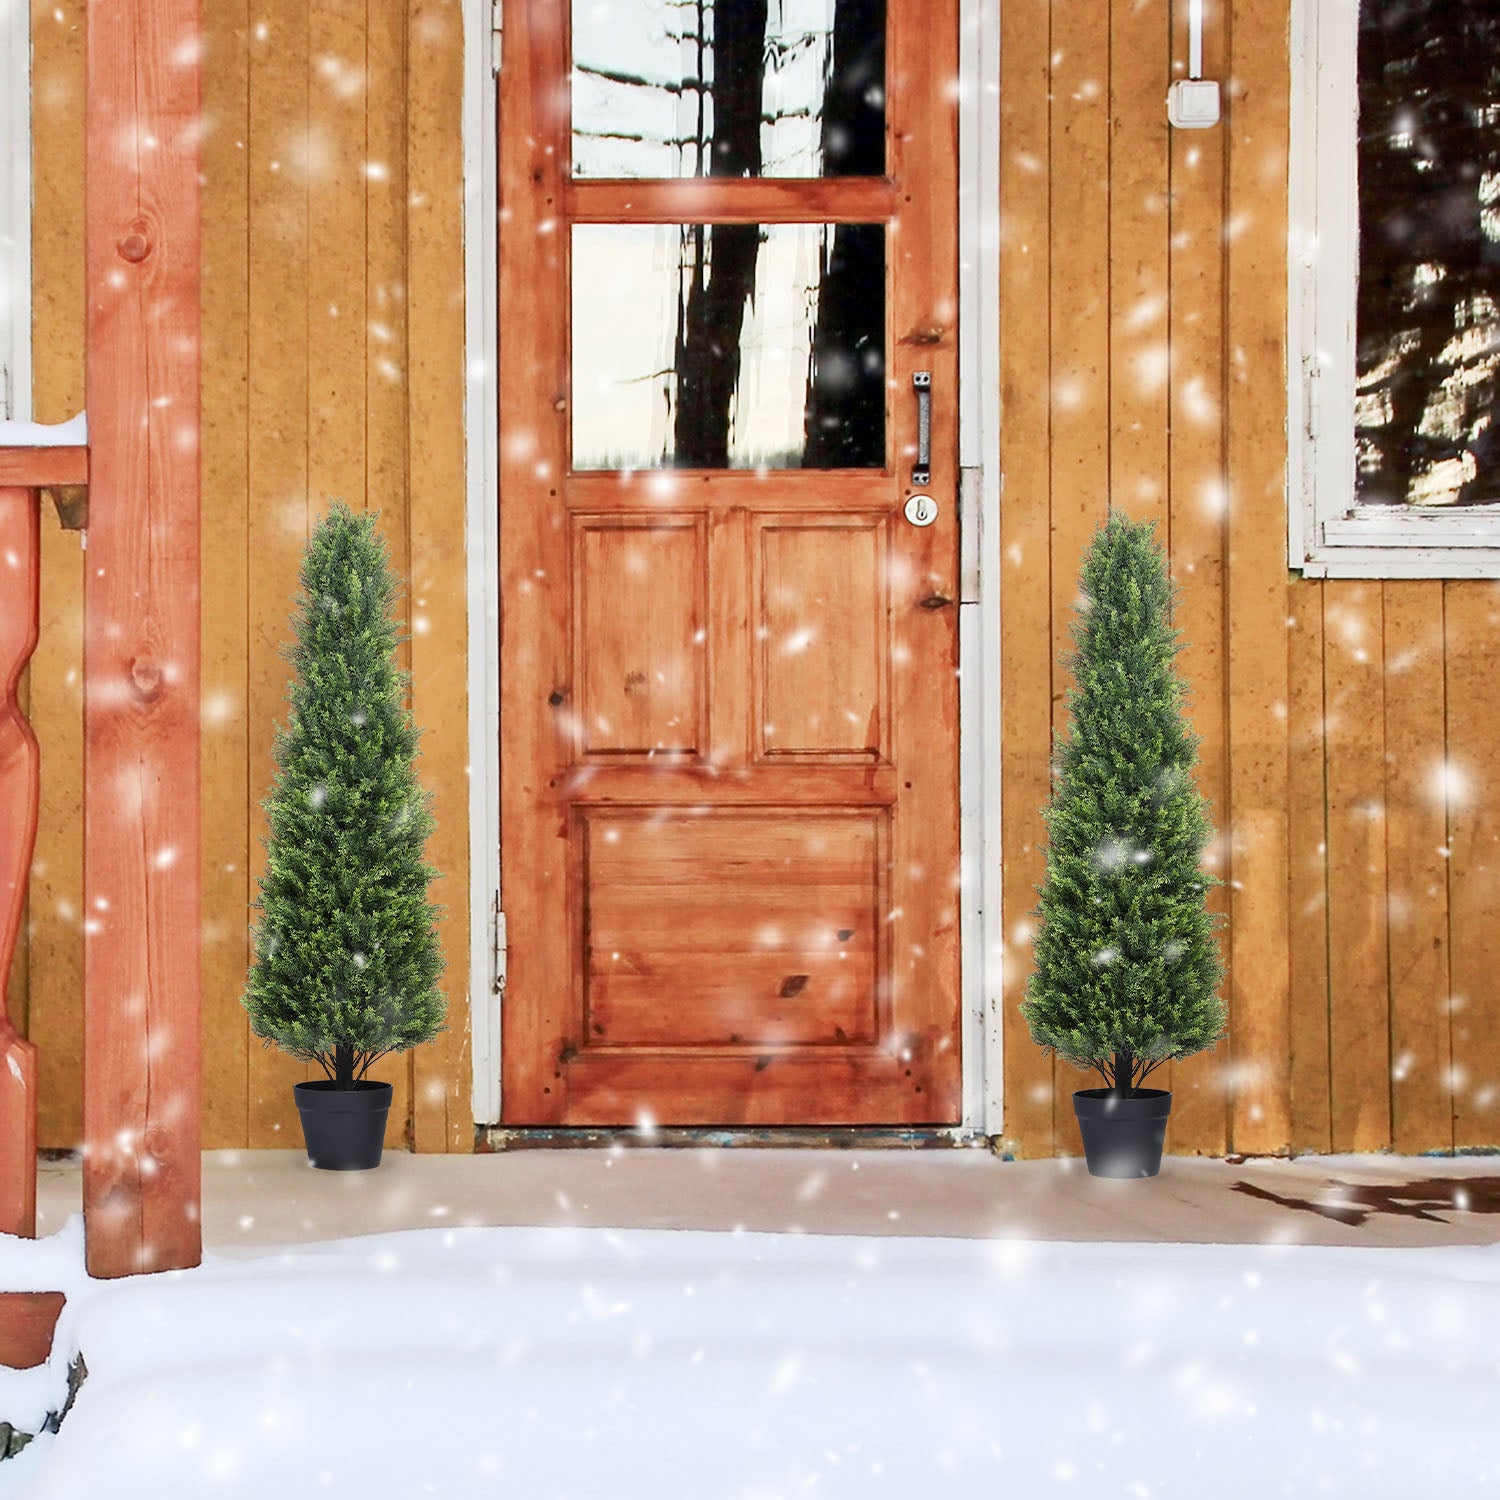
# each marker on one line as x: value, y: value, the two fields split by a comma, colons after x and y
x: 1193, y: 102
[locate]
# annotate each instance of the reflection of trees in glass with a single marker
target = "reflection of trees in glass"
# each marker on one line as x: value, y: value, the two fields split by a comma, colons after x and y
x: 1429, y: 283
x: 845, y: 412
x: 721, y: 281
x: 727, y: 64
x: 643, y: 84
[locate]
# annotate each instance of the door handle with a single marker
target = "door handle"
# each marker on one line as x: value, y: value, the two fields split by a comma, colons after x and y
x: 921, y: 383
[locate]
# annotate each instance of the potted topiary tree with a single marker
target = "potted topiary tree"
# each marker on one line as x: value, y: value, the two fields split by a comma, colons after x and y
x: 346, y: 957
x: 1127, y: 964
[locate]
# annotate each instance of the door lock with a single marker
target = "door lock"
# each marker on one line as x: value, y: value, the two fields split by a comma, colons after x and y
x: 921, y: 510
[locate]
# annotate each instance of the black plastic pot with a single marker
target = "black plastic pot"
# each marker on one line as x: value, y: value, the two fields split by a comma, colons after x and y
x: 1122, y: 1137
x: 344, y: 1128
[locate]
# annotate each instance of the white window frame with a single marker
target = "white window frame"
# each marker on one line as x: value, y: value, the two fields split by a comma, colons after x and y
x: 15, y: 211
x: 1329, y: 535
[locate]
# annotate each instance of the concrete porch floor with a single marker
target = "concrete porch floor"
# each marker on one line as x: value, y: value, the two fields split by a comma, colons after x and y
x: 257, y: 1198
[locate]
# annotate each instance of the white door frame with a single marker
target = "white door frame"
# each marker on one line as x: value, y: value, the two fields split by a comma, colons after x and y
x: 981, y: 1027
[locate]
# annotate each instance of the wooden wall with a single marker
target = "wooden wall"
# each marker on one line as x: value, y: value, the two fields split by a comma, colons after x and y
x: 1143, y: 296
x: 332, y: 368
x: 1142, y: 342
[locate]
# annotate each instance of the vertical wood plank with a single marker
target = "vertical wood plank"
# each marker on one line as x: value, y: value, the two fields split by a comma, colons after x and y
x: 1139, y: 153
x: 443, y: 1117
x: 1471, y: 619
x: 924, y: 834
x: 1307, y: 872
x: 1416, y: 867
x: 20, y: 798
x: 142, y: 979
x: 1025, y: 594
x: 1195, y: 480
x: 1359, y: 1039
x: 380, y: 365
x: 1079, y: 386
x: 1259, y: 991
x: 276, y: 454
x: 226, y: 565
x: 54, y: 703
x: 533, y: 624
x: 333, y: 168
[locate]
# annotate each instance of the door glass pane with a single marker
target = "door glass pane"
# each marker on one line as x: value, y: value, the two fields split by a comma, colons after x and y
x: 711, y: 346
x: 728, y: 88
x: 1428, y: 318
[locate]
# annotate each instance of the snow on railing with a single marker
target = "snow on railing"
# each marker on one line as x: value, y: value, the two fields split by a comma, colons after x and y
x: 74, y: 433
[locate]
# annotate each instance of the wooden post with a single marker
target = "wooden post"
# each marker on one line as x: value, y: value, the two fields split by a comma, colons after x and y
x: 19, y: 794
x: 142, y: 879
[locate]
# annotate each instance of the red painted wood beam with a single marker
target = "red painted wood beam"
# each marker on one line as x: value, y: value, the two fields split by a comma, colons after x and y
x: 40, y: 467
x: 20, y: 554
x: 142, y: 1173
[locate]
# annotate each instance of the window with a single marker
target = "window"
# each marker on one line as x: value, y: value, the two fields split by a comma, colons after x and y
x: 15, y: 211
x: 1394, y: 289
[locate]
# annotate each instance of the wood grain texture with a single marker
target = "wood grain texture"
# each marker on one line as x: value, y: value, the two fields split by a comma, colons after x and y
x: 749, y: 200
x: 43, y: 466
x: 142, y: 829
x: 868, y: 601
x: 1025, y: 584
x: 334, y: 168
x: 722, y: 489
x: 536, y: 692
x: 52, y: 941
x: 281, y: 513
x: 822, y: 630
x: 925, y: 874
x: 640, y: 598
x: 1195, y: 355
x: 226, y: 1038
x: 20, y: 799
x: 1307, y: 870
x: 1079, y: 381
x: 756, y: 928
x: 1255, y: 464
x: 1359, y: 1039
x: 1416, y: 833
x: 443, y: 1119
x: 1471, y: 620
x: 1143, y: 290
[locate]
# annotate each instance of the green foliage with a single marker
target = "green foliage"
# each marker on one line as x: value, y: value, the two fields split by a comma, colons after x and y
x: 1127, y: 964
x: 346, y: 957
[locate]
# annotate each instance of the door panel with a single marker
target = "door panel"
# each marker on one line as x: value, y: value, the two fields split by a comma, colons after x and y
x: 729, y: 718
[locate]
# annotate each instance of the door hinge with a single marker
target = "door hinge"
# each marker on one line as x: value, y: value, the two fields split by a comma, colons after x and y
x: 502, y: 947
x: 497, y: 33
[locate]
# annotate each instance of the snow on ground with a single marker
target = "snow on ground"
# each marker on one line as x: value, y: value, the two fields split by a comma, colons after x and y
x: 549, y: 1363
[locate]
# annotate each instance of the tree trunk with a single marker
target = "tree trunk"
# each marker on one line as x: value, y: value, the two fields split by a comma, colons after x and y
x: 844, y: 415
x: 343, y: 1066
x: 723, y: 281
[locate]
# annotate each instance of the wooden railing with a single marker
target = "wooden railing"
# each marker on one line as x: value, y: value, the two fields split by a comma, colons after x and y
x: 19, y: 794
x: 23, y: 473
x: 27, y: 1318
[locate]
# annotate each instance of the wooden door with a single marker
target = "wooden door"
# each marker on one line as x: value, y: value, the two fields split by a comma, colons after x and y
x: 729, y: 722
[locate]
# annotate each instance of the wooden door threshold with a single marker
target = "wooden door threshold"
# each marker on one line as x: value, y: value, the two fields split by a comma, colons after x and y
x: 493, y: 1138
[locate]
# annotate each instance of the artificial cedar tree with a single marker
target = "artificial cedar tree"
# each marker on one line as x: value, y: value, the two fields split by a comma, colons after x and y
x: 346, y: 957
x: 1127, y: 963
